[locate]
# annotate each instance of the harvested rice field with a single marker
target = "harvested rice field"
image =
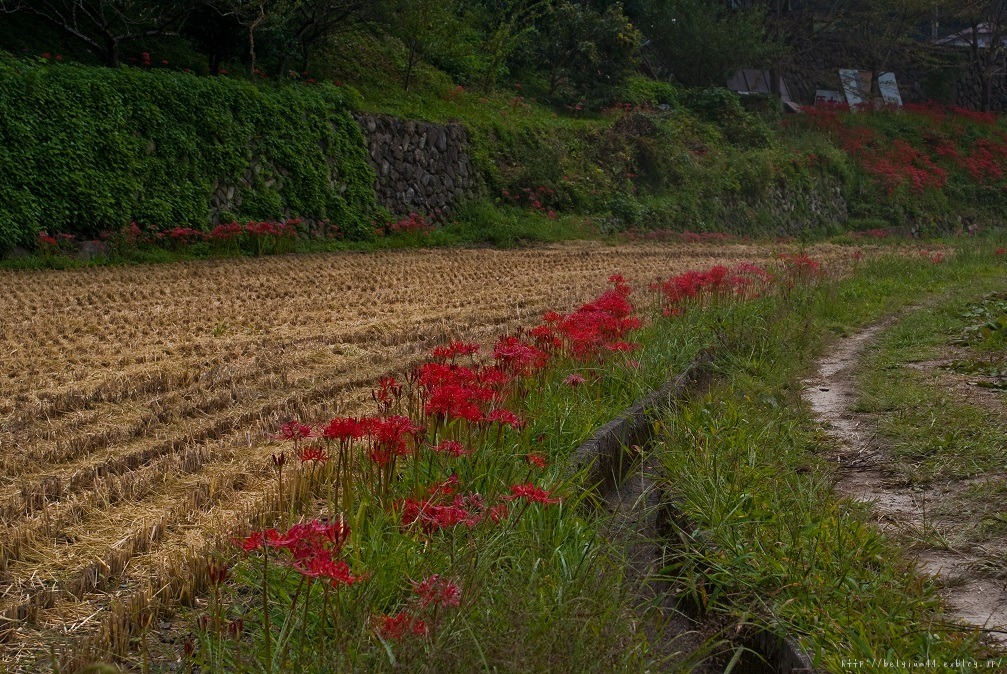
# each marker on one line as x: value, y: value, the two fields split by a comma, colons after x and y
x: 139, y: 405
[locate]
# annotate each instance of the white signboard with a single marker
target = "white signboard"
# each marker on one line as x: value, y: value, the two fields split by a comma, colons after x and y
x: 889, y: 89
x: 855, y: 94
x: 828, y: 97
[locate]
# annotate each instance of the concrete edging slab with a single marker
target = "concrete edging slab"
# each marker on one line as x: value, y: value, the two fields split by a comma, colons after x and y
x: 610, y: 460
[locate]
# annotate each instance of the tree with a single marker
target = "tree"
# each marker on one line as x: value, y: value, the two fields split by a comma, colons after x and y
x: 422, y: 26
x: 586, y: 53
x: 105, y: 25
x: 214, y: 33
x: 256, y: 16
x: 985, y: 38
x: 505, y: 25
x: 700, y: 42
x: 311, y: 22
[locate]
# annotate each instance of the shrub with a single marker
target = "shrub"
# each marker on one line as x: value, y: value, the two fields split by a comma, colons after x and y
x: 723, y: 108
x: 85, y: 149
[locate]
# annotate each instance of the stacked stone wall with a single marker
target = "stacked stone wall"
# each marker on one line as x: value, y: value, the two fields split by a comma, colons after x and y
x: 419, y: 167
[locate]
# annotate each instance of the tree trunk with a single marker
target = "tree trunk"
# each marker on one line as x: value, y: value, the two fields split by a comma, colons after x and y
x: 111, y: 52
x: 410, y: 62
x: 251, y: 45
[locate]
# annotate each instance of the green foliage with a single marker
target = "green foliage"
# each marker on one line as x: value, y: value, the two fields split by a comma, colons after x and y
x: 84, y: 150
x: 723, y: 108
x: 586, y: 54
x: 645, y: 92
x: 701, y: 42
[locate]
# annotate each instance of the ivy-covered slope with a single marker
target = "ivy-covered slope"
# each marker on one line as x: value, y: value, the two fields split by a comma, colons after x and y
x: 86, y: 149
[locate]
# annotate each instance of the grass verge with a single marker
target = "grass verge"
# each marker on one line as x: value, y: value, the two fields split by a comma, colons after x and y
x: 746, y: 464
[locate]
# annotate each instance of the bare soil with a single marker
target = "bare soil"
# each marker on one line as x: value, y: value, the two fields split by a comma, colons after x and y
x: 973, y: 593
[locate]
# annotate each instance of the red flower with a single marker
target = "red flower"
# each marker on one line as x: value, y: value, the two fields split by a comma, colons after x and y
x: 321, y: 565
x: 506, y: 418
x: 316, y: 454
x: 306, y: 538
x: 437, y: 591
x: 387, y: 392
x: 432, y: 516
x: 498, y: 513
x: 454, y: 349
x: 397, y: 626
x: 452, y: 447
x: 257, y: 539
x: 537, y: 460
x: 530, y: 493
x: 294, y: 430
x: 1000, y: 251
x: 344, y: 428
x: 517, y: 357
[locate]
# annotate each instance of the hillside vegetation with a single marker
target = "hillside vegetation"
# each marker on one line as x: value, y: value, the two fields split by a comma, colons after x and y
x: 564, y: 150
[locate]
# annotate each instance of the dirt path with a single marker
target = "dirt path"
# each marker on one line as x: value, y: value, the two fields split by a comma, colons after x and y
x: 906, y: 513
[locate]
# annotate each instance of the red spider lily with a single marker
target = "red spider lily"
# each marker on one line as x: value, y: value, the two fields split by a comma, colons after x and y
x: 217, y: 572
x: 537, y: 460
x: 530, y: 493
x: 498, y: 513
x: 515, y: 356
x: 1000, y: 251
x: 432, y: 516
x: 546, y: 338
x: 321, y: 565
x: 454, y: 350
x: 453, y: 448
x: 574, y: 380
x: 387, y: 392
x: 392, y: 431
x: 257, y: 539
x: 402, y: 623
x: 315, y: 454
x: 294, y: 430
x: 345, y: 429
x: 436, y: 512
x: 304, y: 539
x: 506, y: 418
x: 492, y: 378
x: 801, y: 266
x: 437, y: 591
x: 430, y: 375
x: 228, y: 232
x: 414, y: 223
x: 455, y: 401
x: 447, y: 488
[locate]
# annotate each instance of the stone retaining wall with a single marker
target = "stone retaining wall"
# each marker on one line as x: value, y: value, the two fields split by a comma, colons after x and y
x: 790, y: 210
x: 420, y: 167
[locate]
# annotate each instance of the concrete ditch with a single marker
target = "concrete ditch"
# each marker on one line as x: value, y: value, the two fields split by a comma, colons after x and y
x: 645, y: 515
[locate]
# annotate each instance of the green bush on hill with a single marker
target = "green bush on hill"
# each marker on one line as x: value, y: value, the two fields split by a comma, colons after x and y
x: 85, y: 149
